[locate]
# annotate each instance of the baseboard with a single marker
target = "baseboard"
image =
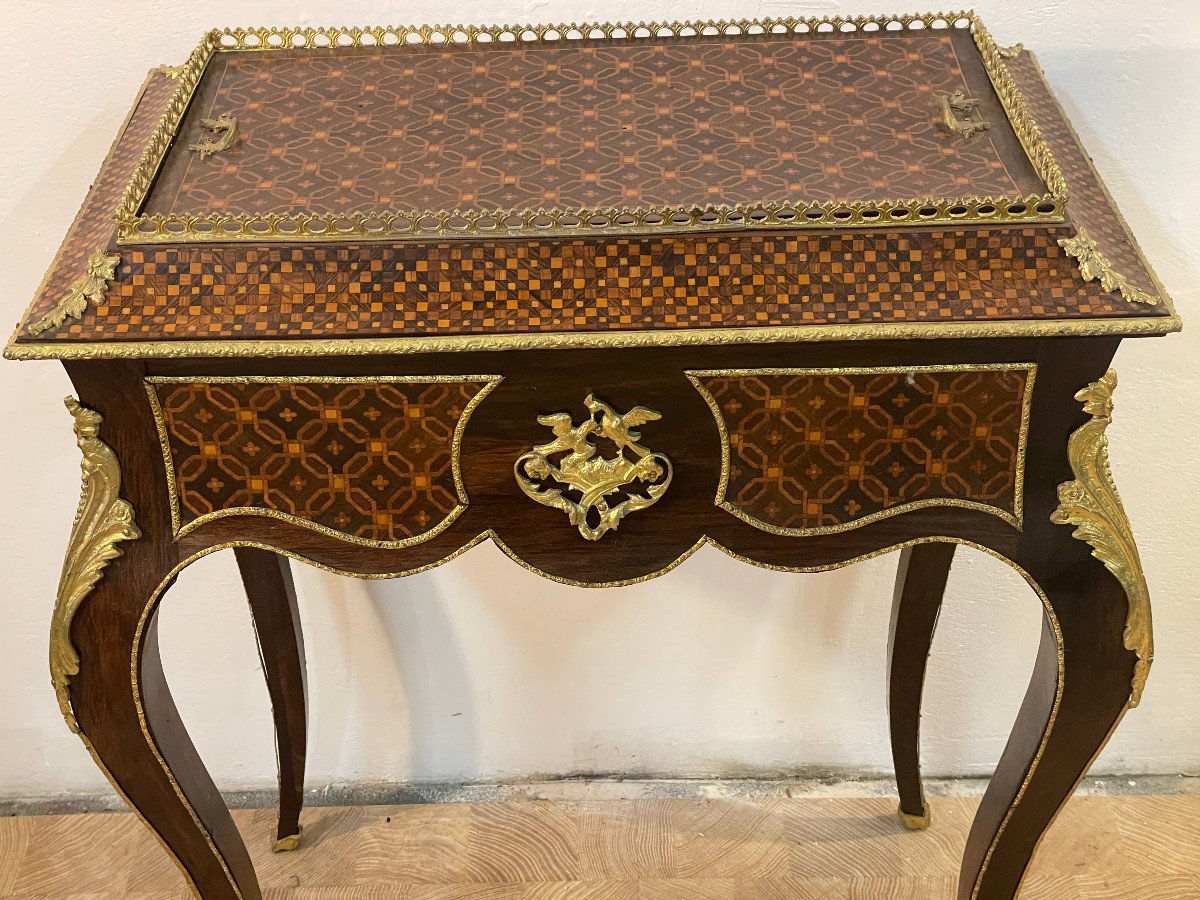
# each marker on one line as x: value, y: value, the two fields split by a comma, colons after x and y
x: 606, y: 788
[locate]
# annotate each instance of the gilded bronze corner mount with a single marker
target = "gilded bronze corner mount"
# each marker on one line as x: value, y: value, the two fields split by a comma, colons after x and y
x: 1091, y: 503
x: 91, y: 285
x: 102, y: 521
x: 1095, y: 266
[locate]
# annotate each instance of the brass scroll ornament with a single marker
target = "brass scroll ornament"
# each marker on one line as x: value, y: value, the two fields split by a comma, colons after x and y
x: 590, y: 479
x: 224, y: 135
x: 89, y: 286
x: 101, y: 522
x: 1092, y: 504
x: 962, y: 116
x: 1095, y: 266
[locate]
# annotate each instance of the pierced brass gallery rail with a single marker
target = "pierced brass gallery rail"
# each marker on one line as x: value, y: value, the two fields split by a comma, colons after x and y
x: 89, y: 286
x: 224, y: 134
x: 962, y: 116
x: 133, y: 227
x: 101, y: 522
x: 1092, y: 504
x: 590, y: 479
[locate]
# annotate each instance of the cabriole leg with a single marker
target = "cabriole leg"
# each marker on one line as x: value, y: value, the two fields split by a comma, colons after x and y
x: 1075, y: 700
x: 1092, y: 664
x: 920, y: 584
x: 105, y: 666
x: 128, y: 720
x: 272, y: 594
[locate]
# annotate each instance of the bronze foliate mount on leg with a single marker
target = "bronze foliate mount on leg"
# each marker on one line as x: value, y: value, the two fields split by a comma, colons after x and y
x: 102, y: 520
x: 1092, y: 504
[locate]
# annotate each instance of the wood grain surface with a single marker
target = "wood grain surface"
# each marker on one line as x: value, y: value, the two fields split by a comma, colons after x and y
x: 1100, y: 847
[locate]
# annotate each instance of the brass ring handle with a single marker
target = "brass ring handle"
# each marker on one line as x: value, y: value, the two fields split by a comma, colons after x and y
x: 962, y: 116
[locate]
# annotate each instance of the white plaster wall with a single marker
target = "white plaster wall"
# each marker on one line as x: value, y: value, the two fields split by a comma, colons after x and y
x: 480, y: 670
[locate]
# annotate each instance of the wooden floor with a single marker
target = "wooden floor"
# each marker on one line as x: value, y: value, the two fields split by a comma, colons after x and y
x: 1100, y: 847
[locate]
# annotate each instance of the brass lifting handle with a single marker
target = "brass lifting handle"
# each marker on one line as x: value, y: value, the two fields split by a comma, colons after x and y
x: 962, y: 116
x: 222, y: 134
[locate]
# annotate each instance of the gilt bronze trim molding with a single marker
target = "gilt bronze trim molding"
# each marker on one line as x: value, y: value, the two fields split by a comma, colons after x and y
x: 134, y: 227
x: 1018, y: 113
x: 678, y: 337
x: 102, y: 521
x: 1092, y: 504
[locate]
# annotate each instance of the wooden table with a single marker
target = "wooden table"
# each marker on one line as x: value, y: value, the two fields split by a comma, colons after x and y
x: 600, y: 296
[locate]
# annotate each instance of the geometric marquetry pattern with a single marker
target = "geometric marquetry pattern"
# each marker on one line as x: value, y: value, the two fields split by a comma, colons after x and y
x: 591, y: 125
x: 371, y: 459
x: 616, y: 284
x: 682, y: 281
x: 823, y: 449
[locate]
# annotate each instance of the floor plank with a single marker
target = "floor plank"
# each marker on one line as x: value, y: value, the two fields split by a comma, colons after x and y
x: 1134, y: 848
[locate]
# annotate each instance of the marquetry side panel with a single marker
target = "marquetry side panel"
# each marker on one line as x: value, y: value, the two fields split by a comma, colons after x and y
x: 372, y: 460
x: 816, y: 450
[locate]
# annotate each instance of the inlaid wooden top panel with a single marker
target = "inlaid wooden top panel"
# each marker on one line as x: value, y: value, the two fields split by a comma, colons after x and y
x: 595, y: 125
x: 752, y: 285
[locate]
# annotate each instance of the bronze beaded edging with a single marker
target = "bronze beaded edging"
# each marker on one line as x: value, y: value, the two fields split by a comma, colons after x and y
x: 695, y: 337
x: 178, y: 530
x: 1014, y: 518
x: 136, y: 228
